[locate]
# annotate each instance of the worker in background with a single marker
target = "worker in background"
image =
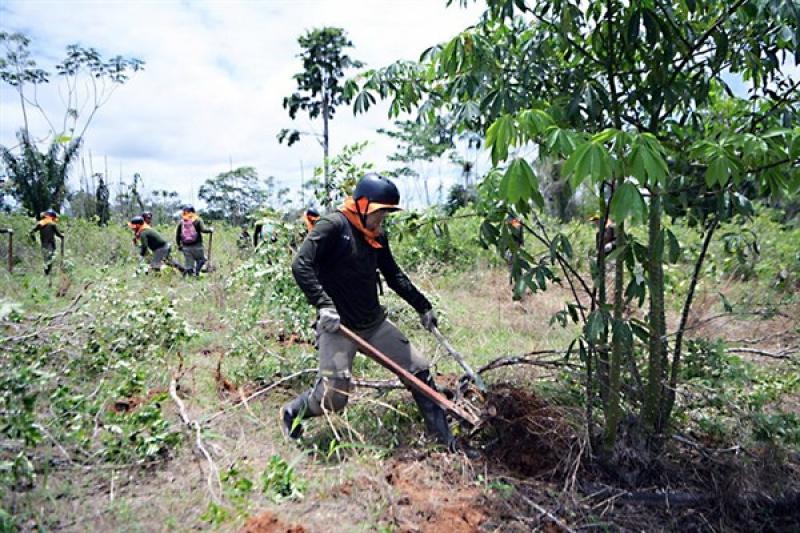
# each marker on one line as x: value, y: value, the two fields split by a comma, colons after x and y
x: 189, y: 236
x: 47, y: 226
x: 151, y: 241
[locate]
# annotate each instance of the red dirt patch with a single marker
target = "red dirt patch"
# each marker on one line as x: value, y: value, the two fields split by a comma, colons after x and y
x: 533, y: 437
x: 433, y: 507
x: 267, y: 522
x: 128, y: 405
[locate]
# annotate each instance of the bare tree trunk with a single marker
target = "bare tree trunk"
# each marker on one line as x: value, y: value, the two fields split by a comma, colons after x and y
x: 602, y: 297
x: 325, y: 145
x: 676, y: 357
x: 657, y: 360
x: 613, y: 410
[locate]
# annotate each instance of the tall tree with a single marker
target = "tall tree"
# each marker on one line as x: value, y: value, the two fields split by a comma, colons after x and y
x: 319, y: 89
x: 633, y: 97
x: 233, y: 195
x: 87, y: 82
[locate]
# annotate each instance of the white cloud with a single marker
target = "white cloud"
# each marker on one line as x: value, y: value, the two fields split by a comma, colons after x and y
x: 215, y: 77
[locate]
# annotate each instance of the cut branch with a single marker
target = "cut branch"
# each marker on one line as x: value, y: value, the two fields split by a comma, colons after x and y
x: 194, y: 426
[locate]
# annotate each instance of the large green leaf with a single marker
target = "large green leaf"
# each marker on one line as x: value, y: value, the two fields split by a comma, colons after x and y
x: 520, y: 183
x: 595, y: 324
x: 646, y: 162
x: 627, y: 202
x: 499, y: 137
x: 589, y: 160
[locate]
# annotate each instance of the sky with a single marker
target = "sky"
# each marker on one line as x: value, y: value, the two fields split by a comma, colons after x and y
x: 210, y: 96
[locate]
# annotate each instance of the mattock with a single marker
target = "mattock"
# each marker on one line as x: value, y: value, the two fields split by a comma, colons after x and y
x: 412, y: 381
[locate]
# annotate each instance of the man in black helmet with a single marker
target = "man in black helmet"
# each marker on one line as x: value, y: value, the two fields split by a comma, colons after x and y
x: 47, y: 226
x: 336, y: 267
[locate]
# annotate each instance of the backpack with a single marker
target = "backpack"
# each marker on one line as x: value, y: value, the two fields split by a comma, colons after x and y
x: 188, y: 232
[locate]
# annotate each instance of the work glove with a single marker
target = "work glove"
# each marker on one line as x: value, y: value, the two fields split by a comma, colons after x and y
x: 329, y: 320
x: 428, y: 319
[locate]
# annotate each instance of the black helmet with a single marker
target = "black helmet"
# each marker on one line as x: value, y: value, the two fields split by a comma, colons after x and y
x: 51, y: 213
x: 147, y: 214
x: 188, y: 208
x: 379, y: 192
x: 138, y: 220
x: 311, y: 212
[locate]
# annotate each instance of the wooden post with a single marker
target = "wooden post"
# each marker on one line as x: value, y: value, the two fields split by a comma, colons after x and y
x: 10, y: 247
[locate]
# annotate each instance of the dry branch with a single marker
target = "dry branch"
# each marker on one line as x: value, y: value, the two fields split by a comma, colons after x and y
x: 194, y: 426
x: 258, y: 393
x: 526, y: 359
x: 785, y: 354
x: 544, y: 512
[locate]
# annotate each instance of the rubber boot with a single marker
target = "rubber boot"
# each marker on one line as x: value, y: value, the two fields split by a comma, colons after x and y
x: 436, y: 419
x: 291, y: 415
x: 199, y: 266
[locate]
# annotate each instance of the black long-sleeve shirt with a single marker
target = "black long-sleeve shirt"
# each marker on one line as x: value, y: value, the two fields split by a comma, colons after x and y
x: 47, y: 234
x: 150, y: 239
x: 336, y: 267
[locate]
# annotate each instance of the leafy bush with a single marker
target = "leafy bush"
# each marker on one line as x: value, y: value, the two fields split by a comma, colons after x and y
x: 87, y: 383
x: 279, y: 481
x: 732, y: 398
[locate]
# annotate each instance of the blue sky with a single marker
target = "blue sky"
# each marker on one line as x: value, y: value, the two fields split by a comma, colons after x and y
x: 216, y: 73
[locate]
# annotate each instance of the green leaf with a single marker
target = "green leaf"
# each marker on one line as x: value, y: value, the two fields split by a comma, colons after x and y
x: 499, y: 137
x: 719, y: 170
x: 621, y: 332
x: 363, y: 102
x: 646, y: 162
x: 569, y: 168
x: 674, y: 251
x: 627, y: 201
x: 633, y: 27
x: 520, y: 183
x: 595, y: 325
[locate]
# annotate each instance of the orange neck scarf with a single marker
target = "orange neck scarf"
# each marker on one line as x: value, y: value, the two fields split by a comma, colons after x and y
x: 137, y: 230
x: 348, y: 209
x: 47, y: 220
x: 310, y: 221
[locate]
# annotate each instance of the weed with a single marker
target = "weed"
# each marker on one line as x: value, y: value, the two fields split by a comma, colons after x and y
x: 279, y: 481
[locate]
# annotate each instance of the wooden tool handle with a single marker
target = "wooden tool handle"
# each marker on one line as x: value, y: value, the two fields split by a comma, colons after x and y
x: 408, y: 378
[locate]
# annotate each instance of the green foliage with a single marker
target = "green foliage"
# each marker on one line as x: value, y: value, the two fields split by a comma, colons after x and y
x: 269, y: 297
x: 344, y: 171
x: 95, y: 381
x: 280, y: 482
x: 618, y: 90
x: 433, y: 240
x: 40, y: 178
x: 733, y: 398
x: 233, y: 195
